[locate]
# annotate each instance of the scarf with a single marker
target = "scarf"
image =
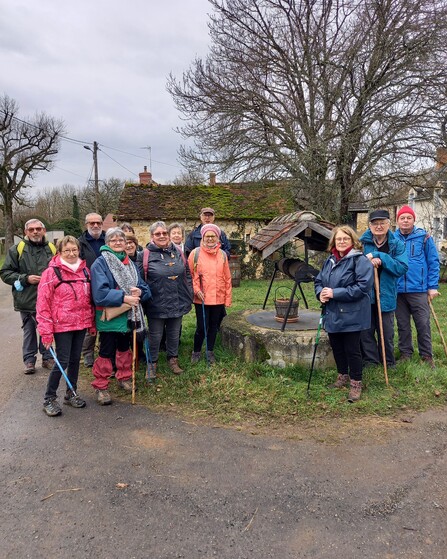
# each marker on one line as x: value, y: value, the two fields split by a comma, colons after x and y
x: 338, y: 256
x: 126, y: 276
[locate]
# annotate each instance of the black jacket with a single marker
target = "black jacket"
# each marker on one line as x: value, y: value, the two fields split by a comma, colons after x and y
x: 87, y: 252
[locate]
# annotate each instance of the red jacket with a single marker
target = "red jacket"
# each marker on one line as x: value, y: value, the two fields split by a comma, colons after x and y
x: 211, y: 274
x: 64, y: 307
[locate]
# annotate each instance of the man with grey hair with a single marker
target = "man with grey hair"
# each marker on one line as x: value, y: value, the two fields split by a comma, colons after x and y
x: 91, y: 241
x: 22, y: 269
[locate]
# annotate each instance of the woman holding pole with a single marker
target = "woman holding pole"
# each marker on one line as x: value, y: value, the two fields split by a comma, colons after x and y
x: 343, y: 287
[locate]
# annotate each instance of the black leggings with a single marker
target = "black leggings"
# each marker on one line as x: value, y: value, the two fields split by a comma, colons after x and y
x: 213, y: 317
x: 347, y: 353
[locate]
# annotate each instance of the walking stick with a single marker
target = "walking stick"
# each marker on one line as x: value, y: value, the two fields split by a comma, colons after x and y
x: 64, y: 374
x: 204, y: 323
x: 317, y: 341
x: 134, y: 351
x: 379, y: 312
x: 439, y: 327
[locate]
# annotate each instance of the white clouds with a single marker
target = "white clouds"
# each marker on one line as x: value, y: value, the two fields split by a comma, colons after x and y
x: 101, y: 66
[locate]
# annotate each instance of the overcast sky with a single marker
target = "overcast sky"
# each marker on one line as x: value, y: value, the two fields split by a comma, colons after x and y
x: 101, y: 66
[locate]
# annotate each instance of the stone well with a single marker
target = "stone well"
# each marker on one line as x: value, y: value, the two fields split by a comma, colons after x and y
x: 256, y: 336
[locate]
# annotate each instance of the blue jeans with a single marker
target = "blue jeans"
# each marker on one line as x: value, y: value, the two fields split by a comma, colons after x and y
x: 30, y: 346
x: 156, y: 328
x: 68, y: 351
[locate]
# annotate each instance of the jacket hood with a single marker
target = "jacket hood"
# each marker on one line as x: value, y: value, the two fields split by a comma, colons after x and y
x: 416, y: 233
x: 57, y: 262
x: 368, y: 237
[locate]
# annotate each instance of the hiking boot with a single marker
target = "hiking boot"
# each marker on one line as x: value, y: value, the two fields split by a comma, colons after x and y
x: 151, y: 372
x: 174, y: 366
x: 125, y: 385
x: 103, y: 397
x: 48, y: 363
x: 355, y: 390
x: 196, y: 356
x: 75, y: 401
x: 51, y: 407
x: 428, y: 360
x: 341, y: 382
x: 30, y: 368
x: 89, y: 360
x: 211, y: 358
x: 404, y: 357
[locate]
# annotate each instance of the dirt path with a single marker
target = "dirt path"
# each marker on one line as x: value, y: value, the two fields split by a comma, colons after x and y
x: 123, y: 481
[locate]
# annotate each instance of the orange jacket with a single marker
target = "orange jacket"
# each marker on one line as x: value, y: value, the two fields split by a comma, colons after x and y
x: 211, y: 274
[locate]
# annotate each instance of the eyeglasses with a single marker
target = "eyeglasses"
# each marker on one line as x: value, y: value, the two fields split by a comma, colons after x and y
x: 70, y: 251
x: 94, y: 222
x: 162, y: 234
x: 378, y: 223
x: 210, y: 237
x: 117, y: 241
x: 343, y: 239
x: 36, y: 229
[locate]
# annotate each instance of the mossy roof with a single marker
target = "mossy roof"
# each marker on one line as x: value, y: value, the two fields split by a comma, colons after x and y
x: 238, y: 201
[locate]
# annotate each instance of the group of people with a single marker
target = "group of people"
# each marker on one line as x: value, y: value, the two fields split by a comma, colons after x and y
x: 396, y: 272
x: 105, y: 283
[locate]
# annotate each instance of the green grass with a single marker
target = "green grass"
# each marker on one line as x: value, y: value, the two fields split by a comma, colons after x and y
x: 233, y: 392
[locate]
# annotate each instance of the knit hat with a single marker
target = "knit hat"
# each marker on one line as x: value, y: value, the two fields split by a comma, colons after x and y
x: 210, y: 227
x: 131, y: 237
x: 406, y: 210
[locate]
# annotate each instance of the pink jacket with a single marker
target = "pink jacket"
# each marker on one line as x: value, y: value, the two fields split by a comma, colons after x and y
x: 211, y: 275
x: 63, y: 307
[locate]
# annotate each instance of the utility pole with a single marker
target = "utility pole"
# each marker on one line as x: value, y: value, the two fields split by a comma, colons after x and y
x: 95, y: 168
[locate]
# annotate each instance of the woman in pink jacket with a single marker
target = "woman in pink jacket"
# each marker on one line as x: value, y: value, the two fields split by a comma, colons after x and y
x: 211, y: 278
x: 64, y: 313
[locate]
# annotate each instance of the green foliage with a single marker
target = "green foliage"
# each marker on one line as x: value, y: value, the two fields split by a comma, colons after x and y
x: 235, y: 392
x: 76, y: 212
x: 70, y: 226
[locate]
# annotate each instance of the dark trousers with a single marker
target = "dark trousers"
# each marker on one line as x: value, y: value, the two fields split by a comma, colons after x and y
x: 347, y: 353
x: 371, y: 343
x: 414, y: 305
x: 68, y: 352
x: 213, y: 317
x: 111, y: 342
x: 31, y: 342
x: 156, y: 328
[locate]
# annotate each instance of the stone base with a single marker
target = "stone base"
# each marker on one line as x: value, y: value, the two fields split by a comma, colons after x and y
x: 256, y: 336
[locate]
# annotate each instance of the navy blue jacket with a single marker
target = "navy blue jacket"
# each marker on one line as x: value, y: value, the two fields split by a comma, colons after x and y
x: 423, y: 259
x: 351, y: 280
x: 394, y: 265
x: 195, y: 237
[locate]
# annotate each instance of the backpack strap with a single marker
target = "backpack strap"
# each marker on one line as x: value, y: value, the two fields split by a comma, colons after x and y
x: 196, y: 257
x: 21, y: 246
x: 146, y: 255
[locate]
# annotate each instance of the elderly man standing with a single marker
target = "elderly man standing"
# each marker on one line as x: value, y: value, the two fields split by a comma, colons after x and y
x: 417, y: 287
x: 389, y: 257
x: 194, y: 239
x: 91, y: 241
x: 22, y: 269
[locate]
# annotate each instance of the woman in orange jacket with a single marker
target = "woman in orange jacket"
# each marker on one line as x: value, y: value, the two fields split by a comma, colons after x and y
x: 211, y: 278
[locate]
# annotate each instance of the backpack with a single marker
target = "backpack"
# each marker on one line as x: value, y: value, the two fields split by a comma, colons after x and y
x: 146, y: 255
x: 58, y: 273
x: 197, y: 254
x: 21, y: 246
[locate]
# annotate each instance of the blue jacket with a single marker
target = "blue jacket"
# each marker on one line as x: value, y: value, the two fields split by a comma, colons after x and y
x: 394, y: 265
x: 423, y: 259
x: 195, y: 238
x: 351, y: 280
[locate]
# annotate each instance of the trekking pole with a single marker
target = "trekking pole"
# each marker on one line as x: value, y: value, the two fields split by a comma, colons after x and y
x: 64, y: 374
x: 379, y: 312
x: 204, y: 323
x: 134, y: 351
x: 439, y: 327
x: 317, y: 341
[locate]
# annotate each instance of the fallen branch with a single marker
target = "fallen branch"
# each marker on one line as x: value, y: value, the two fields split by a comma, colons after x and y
x: 251, y: 521
x: 61, y: 491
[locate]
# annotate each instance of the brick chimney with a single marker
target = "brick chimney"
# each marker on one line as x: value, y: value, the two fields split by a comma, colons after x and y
x: 145, y: 177
x: 441, y: 157
x: 212, y: 179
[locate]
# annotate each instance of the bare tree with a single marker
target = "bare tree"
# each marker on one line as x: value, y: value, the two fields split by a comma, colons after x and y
x: 334, y: 95
x: 25, y: 148
x: 109, y: 194
x: 189, y: 178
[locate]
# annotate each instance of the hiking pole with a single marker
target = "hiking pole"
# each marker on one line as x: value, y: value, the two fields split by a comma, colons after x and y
x: 206, y: 334
x: 64, y: 374
x: 439, y: 327
x: 148, y: 359
x: 379, y: 312
x: 134, y: 350
x: 317, y: 341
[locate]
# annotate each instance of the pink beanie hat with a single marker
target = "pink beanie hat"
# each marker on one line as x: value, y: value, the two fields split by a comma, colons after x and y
x: 210, y: 227
x: 406, y: 210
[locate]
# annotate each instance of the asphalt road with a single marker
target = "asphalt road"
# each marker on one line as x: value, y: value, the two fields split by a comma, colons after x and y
x: 124, y: 482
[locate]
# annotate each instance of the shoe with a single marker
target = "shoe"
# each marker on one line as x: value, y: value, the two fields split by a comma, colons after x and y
x: 48, y: 364
x: 210, y: 357
x: 428, y: 360
x: 88, y: 362
x: 196, y: 356
x: 174, y: 366
x: 404, y: 357
x: 73, y: 400
x: 151, y: 373
x: 30, y: 368
x: 342, y: 381
x: 52, y: 408
x: 125, y: 385
x: 103, y: 397
x: 355, y: 390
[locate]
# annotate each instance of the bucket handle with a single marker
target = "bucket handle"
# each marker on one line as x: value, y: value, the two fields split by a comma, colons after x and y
x: 285, y: 287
